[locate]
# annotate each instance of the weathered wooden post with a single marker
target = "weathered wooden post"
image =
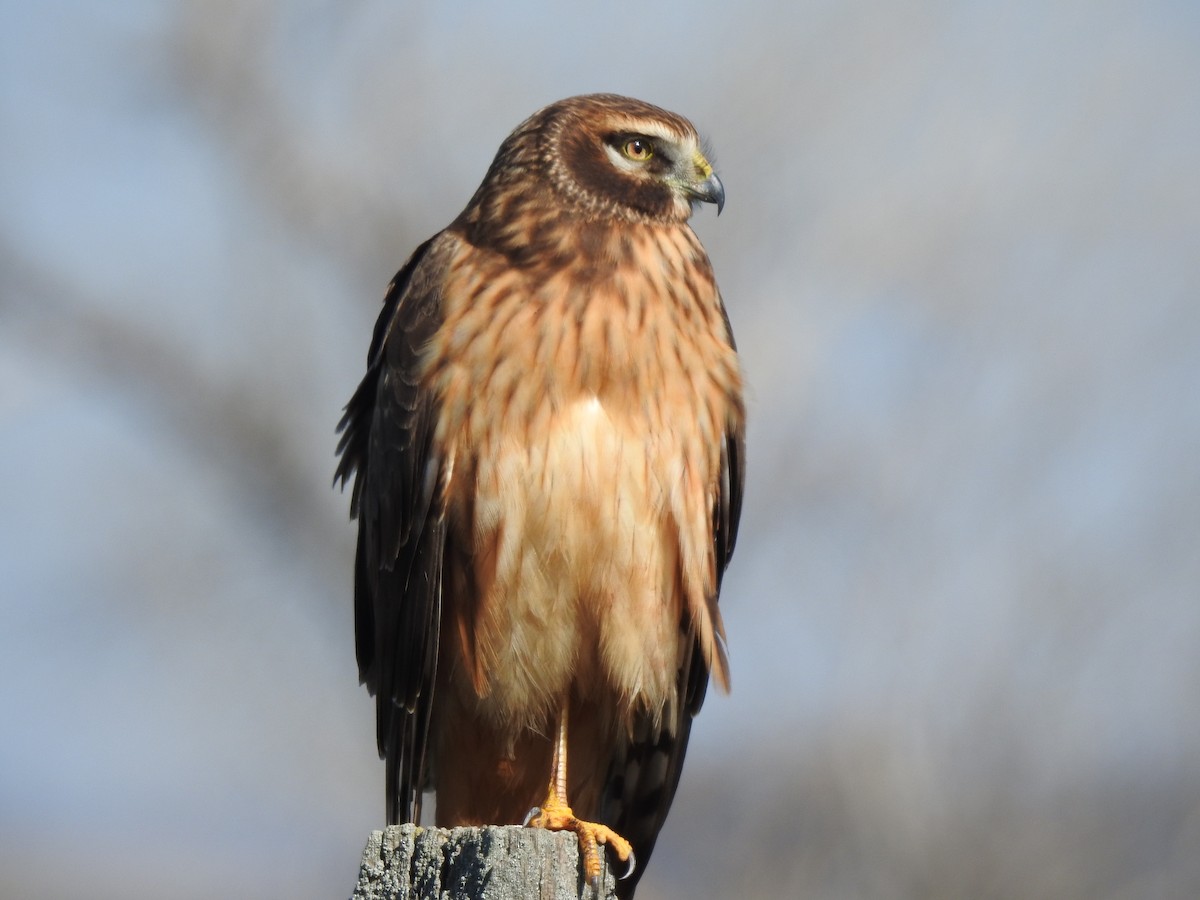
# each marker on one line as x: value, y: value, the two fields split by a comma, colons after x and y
x: 500, y: 862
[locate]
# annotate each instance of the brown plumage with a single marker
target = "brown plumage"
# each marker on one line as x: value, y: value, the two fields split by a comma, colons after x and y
x: 547, y: 450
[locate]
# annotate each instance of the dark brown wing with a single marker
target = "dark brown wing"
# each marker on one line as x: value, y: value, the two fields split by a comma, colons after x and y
x: 387, y: 444
x: 644, y: 774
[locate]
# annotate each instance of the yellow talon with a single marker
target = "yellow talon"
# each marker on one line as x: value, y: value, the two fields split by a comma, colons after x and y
x: 555, y: 815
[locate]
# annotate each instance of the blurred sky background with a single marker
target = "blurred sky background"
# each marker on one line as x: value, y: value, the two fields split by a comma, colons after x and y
x: 961, y: 254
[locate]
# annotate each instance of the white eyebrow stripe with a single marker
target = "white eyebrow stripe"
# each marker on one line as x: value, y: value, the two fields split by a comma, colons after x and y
x: 656, y: 129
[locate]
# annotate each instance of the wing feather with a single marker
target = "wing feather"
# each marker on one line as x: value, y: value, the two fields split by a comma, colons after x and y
x: 387, y: 445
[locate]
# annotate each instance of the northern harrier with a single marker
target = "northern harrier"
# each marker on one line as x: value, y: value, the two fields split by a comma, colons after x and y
x: 547, y: 456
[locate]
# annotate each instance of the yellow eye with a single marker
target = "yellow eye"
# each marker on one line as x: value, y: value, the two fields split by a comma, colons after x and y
x: 637, y: 149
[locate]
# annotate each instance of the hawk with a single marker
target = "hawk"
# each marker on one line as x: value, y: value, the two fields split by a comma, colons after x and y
x: 547, y: 456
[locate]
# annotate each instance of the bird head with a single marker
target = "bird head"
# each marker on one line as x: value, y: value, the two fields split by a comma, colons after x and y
x: 608, y: 156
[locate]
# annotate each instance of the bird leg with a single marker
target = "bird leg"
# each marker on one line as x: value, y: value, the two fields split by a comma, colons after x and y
x: 556, y: 815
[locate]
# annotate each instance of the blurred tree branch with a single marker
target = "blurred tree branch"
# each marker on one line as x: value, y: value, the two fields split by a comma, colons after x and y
x: 236, y: 427
x: 222, y: 66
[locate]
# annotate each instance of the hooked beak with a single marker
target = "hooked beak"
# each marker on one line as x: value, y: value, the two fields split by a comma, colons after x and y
x: 710, y: 190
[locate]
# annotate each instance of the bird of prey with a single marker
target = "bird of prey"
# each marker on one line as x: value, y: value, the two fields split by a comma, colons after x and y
x: 547, y: 453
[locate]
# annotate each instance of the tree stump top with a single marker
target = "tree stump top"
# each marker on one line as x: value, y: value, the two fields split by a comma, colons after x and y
x: 499, y: 862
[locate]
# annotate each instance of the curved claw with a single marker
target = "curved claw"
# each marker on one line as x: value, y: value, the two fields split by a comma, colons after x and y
x: 597, y: 880
x: 531, y: 815
x: 630, y: 866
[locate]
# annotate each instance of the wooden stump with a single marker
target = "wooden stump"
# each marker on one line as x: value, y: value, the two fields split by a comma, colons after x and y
x: 407, y: 862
